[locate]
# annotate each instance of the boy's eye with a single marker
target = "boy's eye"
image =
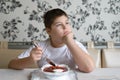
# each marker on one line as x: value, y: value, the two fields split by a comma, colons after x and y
x: 58, y: 25
x: 67, y: 22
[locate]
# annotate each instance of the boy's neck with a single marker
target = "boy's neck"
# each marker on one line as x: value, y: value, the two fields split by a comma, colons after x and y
x: 56, y: 44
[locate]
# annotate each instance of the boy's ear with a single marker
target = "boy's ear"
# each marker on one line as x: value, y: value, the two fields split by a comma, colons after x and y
x: 48, y: 30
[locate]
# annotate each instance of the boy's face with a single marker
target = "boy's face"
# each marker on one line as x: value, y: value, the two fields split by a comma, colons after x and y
x: 59, y: 27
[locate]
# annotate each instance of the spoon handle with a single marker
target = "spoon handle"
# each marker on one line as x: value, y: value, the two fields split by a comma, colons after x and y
x: 50, y: 62
x: 47, y: 59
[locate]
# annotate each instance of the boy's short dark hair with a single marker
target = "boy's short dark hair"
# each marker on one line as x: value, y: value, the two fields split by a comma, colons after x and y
x: 51, y: 15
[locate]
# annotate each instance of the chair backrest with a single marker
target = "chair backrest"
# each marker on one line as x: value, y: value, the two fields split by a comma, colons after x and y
x: 95, y: 53
x: 6, y: 55
x: 111, y: 57
x: 3, y: 44
x: 90, y: 44
x: 110, y: 44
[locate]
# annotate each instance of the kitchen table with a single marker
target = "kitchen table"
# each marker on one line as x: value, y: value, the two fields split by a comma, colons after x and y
x: 97, y: 74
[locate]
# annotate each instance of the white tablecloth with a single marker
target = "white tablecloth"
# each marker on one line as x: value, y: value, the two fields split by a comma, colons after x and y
x: 97, y: 74
x: 101, y: 74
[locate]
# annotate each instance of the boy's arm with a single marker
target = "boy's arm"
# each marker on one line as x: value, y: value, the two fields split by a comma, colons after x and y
x: 21, y: 63
x: 82, y: 59
x: 26, y: 62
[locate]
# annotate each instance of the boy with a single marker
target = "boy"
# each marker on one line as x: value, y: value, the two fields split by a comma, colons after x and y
x: 60, y: 47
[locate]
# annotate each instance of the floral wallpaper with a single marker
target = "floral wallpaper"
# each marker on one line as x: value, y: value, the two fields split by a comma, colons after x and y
x: 91, y: 20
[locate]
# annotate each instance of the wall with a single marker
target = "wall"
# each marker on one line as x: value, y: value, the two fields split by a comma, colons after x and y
x: 92, y: 20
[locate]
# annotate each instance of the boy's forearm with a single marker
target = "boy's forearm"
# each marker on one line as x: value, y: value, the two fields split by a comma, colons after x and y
x: 21, y: 63
x: 83, y: 60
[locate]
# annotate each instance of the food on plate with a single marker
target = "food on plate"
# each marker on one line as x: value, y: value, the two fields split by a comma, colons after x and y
x: 55, y: 69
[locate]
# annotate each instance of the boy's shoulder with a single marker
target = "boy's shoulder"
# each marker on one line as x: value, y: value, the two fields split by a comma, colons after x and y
x: 43, y: 42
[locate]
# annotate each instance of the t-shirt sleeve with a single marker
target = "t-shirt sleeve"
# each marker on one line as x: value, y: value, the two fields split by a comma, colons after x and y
x: 82, y: 47
x: 25, y: 53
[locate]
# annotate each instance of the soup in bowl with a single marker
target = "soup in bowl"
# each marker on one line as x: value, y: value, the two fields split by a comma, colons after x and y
x: 57, y: 68
x: 55, y: 72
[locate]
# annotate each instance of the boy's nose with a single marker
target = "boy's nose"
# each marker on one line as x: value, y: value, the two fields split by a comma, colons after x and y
x: 64, y: 26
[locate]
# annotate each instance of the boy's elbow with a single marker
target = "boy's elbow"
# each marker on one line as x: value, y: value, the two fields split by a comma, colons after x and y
x: 90, y: 69
x: 12, y: 65
x: 87, y: 69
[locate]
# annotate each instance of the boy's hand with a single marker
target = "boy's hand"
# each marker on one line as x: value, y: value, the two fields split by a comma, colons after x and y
x: 68, y: 35
x: 36, y: 54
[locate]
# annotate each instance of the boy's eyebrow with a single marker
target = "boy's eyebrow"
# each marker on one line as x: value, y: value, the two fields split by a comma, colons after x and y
x: 60, y: 22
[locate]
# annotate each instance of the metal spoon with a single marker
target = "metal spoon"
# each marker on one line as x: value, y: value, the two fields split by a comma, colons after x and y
x: 47, y: 59
x: 50, y: 62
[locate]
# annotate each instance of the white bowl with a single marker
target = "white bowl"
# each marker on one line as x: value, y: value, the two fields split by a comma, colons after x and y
x: 57, y: 73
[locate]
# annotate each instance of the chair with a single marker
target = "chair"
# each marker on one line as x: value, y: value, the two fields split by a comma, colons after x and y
x: 111, y: 57
x: 95, y: 53
x: 8, y: 54
x: 110, y: 44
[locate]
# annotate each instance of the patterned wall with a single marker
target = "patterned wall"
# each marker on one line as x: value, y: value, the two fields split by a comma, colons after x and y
x: 92, y: 20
